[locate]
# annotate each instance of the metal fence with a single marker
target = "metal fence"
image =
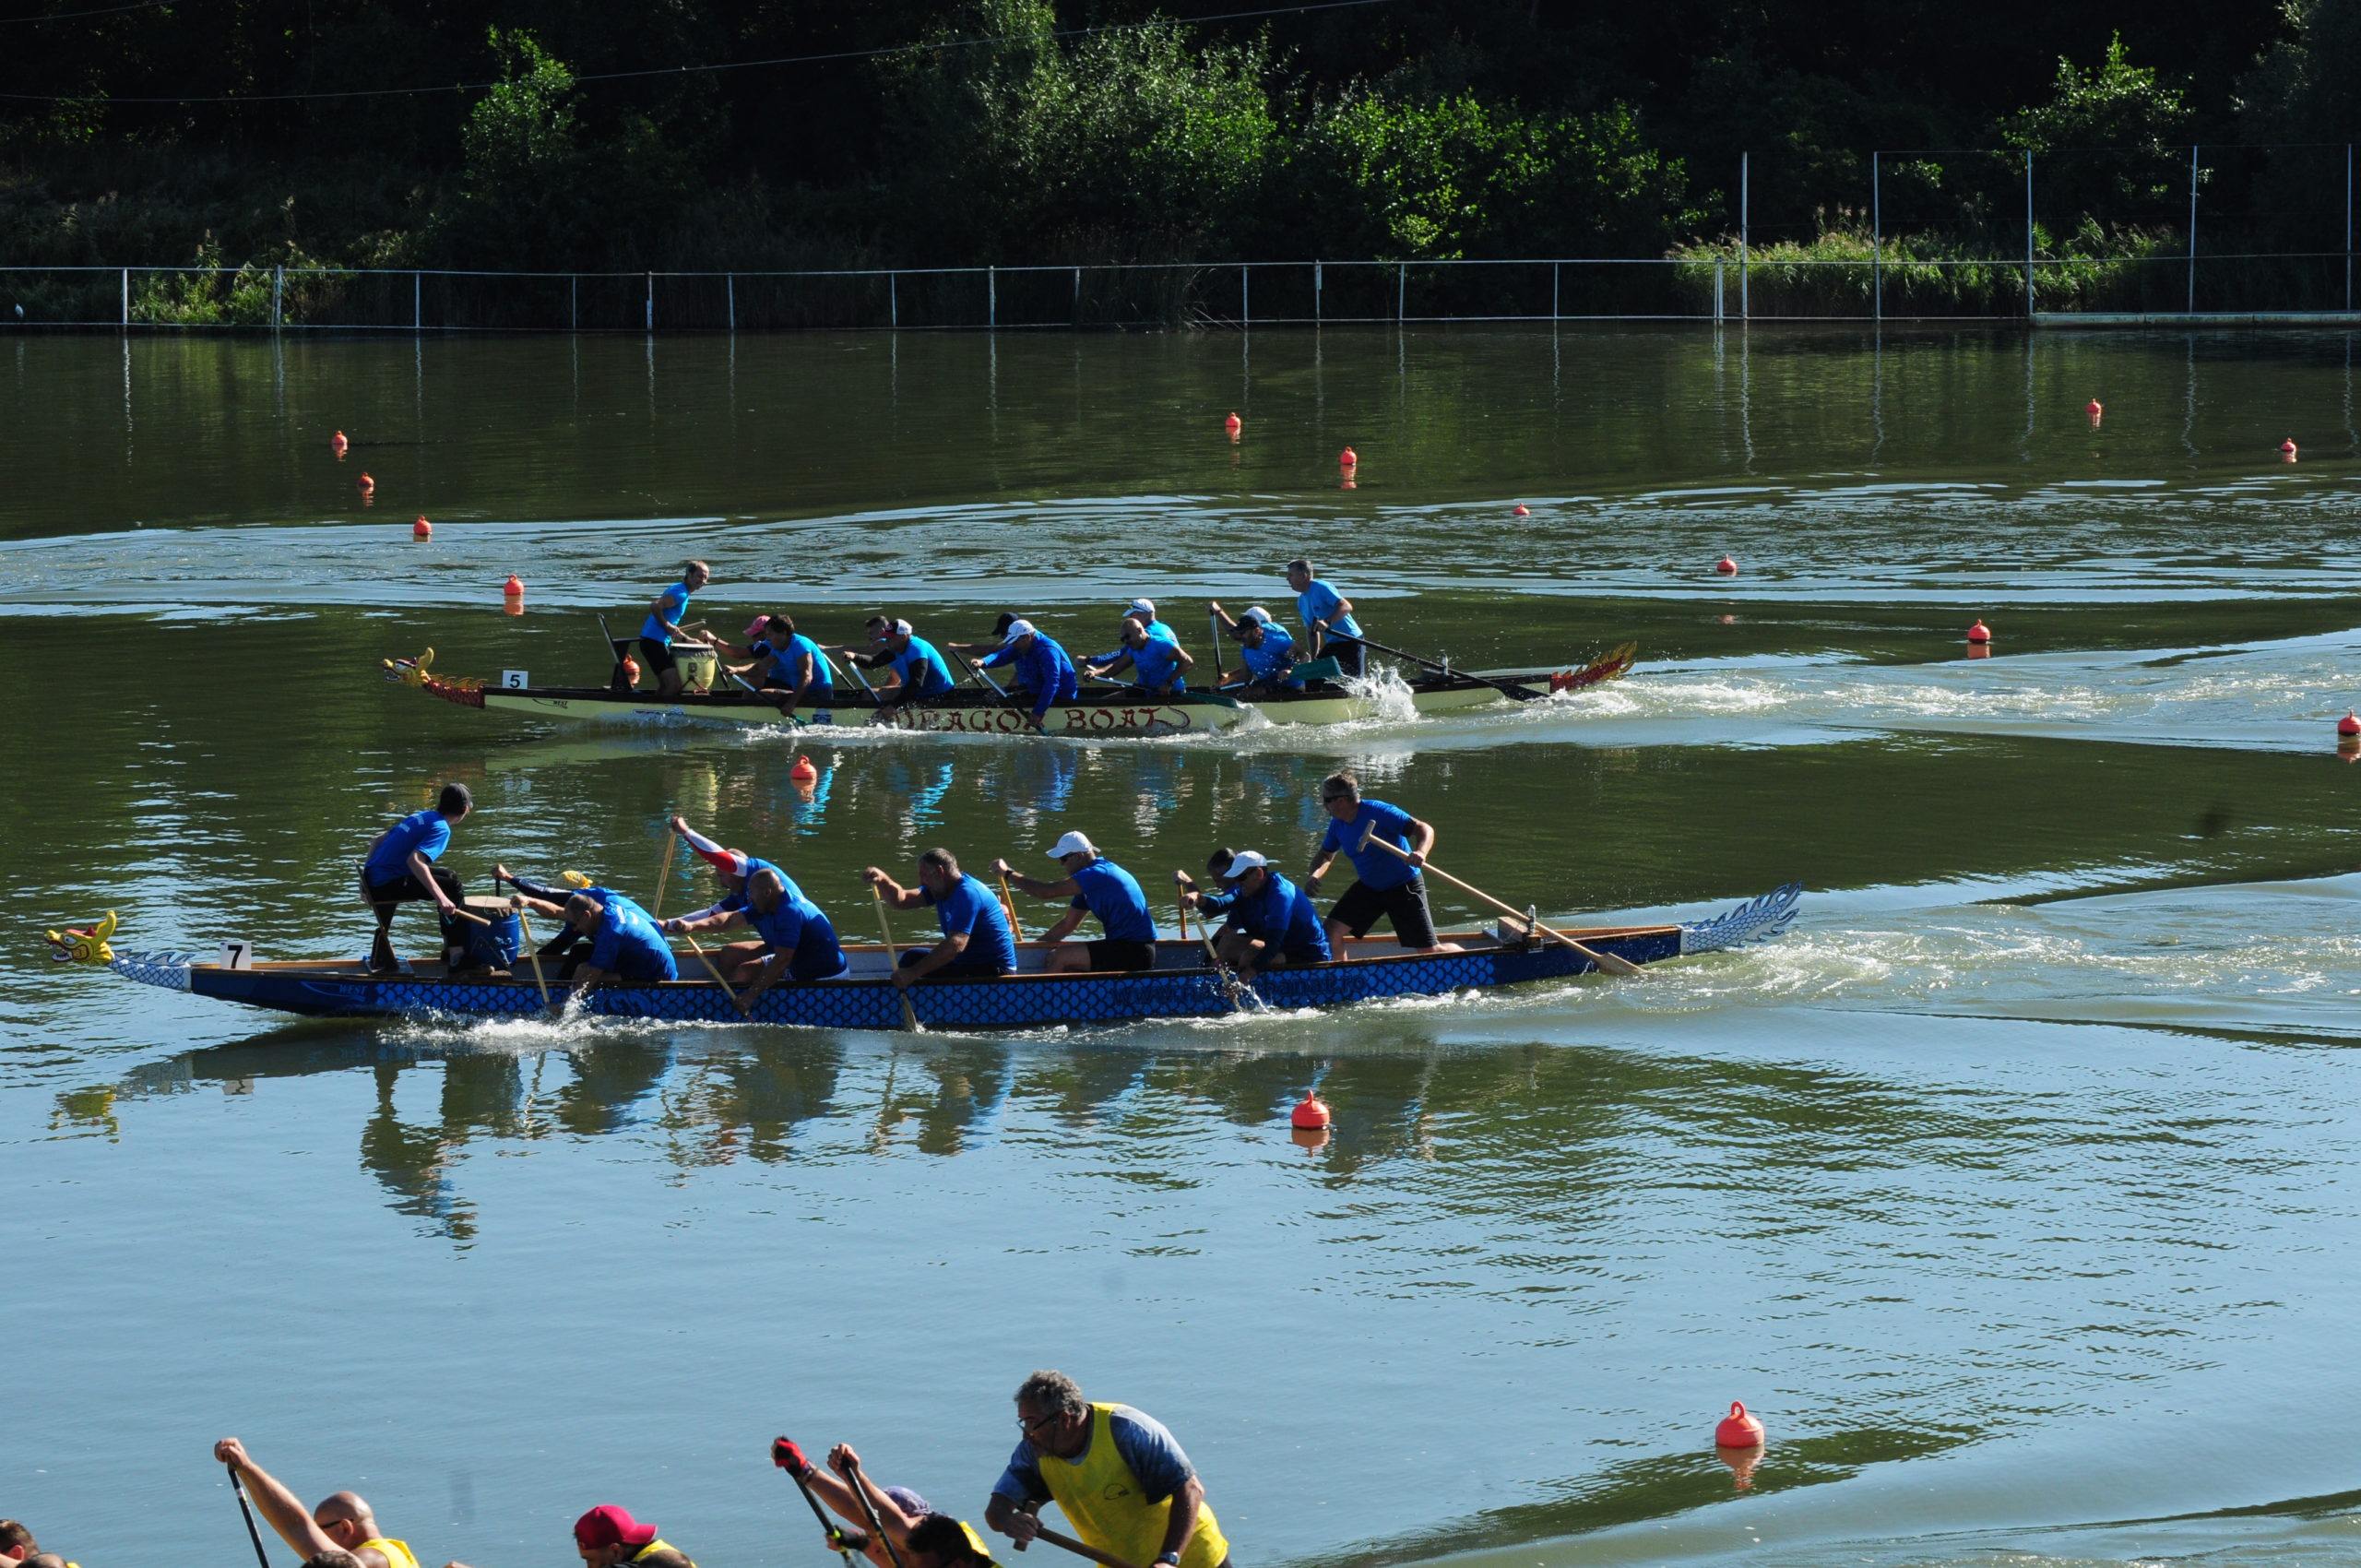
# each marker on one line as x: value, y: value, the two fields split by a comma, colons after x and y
x: 2095, y: 235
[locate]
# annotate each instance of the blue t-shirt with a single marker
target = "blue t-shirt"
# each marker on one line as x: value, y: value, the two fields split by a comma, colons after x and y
x: 1282, y: 916
x: 1271, y: 662
x: 425, y: 832
x: 1163, y: 632
x: 736, y: 898
x: 1318, y: 603
x: 971, y: 908
x: 1154, y: 663
x: 627, y: 944
x: 1113, y: 894
x: 922, y: 671
x: 796, y: 926
x: 675, y: 603
x: 1047, y: 673
x: 1147, y: 1450
x: 1373, y: 865
x: 788, y: 660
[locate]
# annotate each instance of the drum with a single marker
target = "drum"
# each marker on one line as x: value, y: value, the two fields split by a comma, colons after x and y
x: 699, y: 666
x: 496, y: 946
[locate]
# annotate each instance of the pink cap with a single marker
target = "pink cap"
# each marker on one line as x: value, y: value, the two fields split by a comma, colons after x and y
x: 610, y: 1526
x: 754, y: 626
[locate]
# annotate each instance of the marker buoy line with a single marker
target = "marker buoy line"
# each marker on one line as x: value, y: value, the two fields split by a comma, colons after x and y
x: 1980, y: 633
x: 1309, y: 1112
x: 337, y: 444
x: 1737, y: 1430
x: 1348, y: 459
x: 2348, y: 725
x: 424, y: 530
x: 513, y: 588
x: 1523, y: 510
x: 1727, y: 567
x: 803, y: 772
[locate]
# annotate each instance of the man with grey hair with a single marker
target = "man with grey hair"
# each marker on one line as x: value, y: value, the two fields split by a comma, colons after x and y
x: 1121, y: 1478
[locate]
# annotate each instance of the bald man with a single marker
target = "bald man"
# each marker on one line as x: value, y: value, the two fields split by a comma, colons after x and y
x: 342, y: 1523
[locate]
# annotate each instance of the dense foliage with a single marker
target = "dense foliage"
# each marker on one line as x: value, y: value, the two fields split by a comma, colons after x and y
x: 565, y: 135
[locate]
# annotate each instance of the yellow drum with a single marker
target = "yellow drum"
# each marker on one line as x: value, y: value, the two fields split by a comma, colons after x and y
x: 699, y: 667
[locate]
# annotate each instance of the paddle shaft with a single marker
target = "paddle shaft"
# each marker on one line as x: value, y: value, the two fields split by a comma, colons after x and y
x: 1521, y: 694
x: 1609, y: 962
x: 664, y: 873
x: 909, y: 1013
x: 1212, y: 625
x: 1008, y: 907
x: 525, y: 923
x: 861, y: 1492
x: 827, y: 1529
x: 1079, y: 1548
x: 239, y: 1488
x: 709, y: 968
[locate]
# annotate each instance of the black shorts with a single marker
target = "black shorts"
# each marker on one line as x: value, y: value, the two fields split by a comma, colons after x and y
x: 821, y: 697
x: 1405, y: 904
x: 657, y: 656
x: 1351, y: 658
x: 1113, y: 953
x: 965, y: 967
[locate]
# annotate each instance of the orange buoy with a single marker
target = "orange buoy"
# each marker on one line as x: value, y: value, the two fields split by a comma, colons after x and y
x: 1737, y: 1430
x: 803, y: 772
x: 367, y: 483
x: 2348, y: 725
x: 1980, y: 633
x: 1233, y: 423
x: 2092, y: 409
x: 337, y: 444
x: 1348, y: 459
x: 424, y: 530
x: 631, y: 670
x: 513, y: 588
x: 1727, y: 567
x: 1309, y: 1112
x: 1523, y: 510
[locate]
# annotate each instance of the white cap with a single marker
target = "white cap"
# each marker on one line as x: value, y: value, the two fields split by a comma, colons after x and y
x: 1257, y: 614
x: 899, y: 628
x: 1017, y: 629
x: 1143, y: 606
x: 1245, y: 862
x: 1073, y: 843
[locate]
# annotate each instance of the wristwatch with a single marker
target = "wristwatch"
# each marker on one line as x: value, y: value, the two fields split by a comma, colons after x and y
x: 1170, y: 1559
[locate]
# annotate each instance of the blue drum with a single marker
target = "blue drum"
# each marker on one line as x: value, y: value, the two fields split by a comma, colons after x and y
x: 494, y: 946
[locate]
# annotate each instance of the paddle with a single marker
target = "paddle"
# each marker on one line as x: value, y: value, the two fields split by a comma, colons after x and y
x: 710, y: 970
x: 1212, y: 625
x: 1043, y: 1532
x: 1008, y: 907
x: 1009, y: 702
x: 525, y: 923
x: 861, y: 1492
x: 1609, y: 962
x: 784, y: 1454
x: 1521, y: 694
x: 909, y: 1013
x: 664, y: 874
x: 253, y: 1535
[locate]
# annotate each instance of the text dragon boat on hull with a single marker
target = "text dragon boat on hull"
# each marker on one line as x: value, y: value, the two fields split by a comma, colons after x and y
x: 1097, y: 710
x: 1178, y: 987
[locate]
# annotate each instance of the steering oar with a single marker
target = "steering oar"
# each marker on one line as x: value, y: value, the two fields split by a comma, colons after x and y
x: 1614, y: 963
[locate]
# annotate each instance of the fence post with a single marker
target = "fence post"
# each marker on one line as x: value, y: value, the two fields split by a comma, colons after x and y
x: 894, y: 299
x: 277, y: 292
x: 574, y: 302
x: 417, y: 301
x: 1073, y: 313
x: 1876, y: 242
x: 1718, y: 291
x: 1401, y: 291
x: 1319, y: 281
x: 2348, y: 226
x: 2028, y: 234
x: 651, y: 300
x: 2192, y: 228
x: 1245, y: 300
x: 1745, y: 168
x: 732, y: 284
x: 1556, y: 269
x: 991, y: 297
x: 127, y: 298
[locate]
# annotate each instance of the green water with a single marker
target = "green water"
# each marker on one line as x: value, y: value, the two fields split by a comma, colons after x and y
x: 2014, y: 1188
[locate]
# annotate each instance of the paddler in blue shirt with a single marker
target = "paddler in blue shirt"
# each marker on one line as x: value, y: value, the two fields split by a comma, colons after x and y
x: 1389, y: 886
x: 1323, y: 611
x: 1266, y: 650
x: 1044, y: 673
x: 914, y: 666
x: 1143, y: 611
x: 662, y: 627
x: 977, y: 942
x: 625, y: 943
x: 400, y: 869
x: 1272, y: 923
x: 791, y: 664
x: 791, y: 937
x: 1096, y: 887
x: 1157, y: 664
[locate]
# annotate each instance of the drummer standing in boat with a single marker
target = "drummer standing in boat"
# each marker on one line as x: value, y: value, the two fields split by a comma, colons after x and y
x: 662, y: 627
x: 1121, y: 1479
x: 1324, y: 611
x: 1389, y: 884
x: 400, y: 869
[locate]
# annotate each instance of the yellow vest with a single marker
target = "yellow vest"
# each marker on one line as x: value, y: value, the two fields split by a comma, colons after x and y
x: 1110, y: 1511
x: 657, y: 1545
x: 975, y: 1542
x: 397, y: 1553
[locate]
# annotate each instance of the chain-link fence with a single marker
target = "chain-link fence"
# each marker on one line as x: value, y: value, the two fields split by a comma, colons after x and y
x: 2075, y: 234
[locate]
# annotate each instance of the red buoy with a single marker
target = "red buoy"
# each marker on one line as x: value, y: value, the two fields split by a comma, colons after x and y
x: 631, y: 670
x: 2092, y: 409
x: 513, y: 588
x: 2348, y: 725
x: 803, y: 772
x: 1233, y: 423
x: 1348, y: 459
x: 1727, y: 567
x: 1737, y: 1430
x: 1310, y: 1111
x: 337, y: 444
x: 1523, y: 510
x: 1980, y: 633
x: 2287, y: 448
x: 424, y: 530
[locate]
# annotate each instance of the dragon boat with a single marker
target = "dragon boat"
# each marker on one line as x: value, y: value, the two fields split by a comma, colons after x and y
x: 1182, y: 985
x: 1102, y: 710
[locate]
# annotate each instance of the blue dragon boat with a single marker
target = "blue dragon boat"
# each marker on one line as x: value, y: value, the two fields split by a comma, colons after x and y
x: 1182, y: 985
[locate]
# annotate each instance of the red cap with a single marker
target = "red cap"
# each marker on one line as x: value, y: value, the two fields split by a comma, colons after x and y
x: 610, y: 1526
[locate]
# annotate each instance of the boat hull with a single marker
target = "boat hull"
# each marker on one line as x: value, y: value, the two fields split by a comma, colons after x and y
x: 990, y: 716
x: 1180, y: 987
